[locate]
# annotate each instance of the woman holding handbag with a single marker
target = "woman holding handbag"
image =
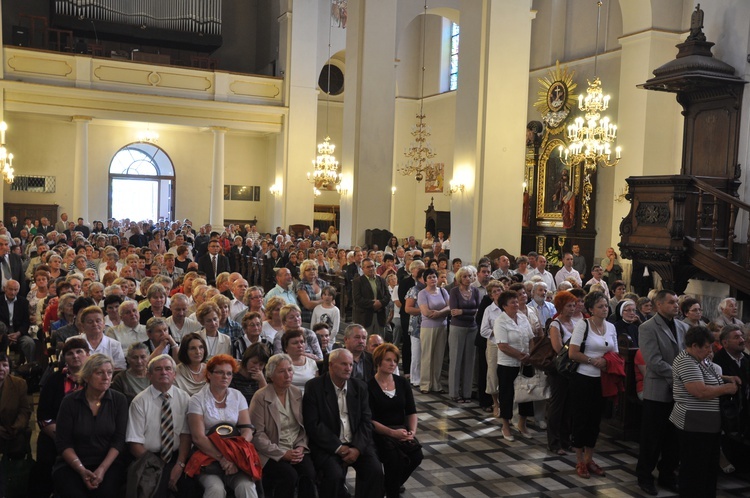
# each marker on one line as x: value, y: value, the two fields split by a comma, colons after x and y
x: 434, y: 306
x: 513, y: 335
x: 558, y: 405
x: 592, y: 339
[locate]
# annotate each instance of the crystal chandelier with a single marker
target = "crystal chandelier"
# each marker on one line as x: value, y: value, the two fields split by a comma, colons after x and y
x: 325, y: 172
x: 591, y: 138
x: 419, y: 154
x: 6, y: 158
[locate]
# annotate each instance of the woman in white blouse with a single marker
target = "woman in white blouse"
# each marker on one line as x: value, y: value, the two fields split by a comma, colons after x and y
x: 513, y: 334
x: 585, y: 385
x: 214, y: 404
x: 208, y: 315
x: 494, y: 289
x: 305, y: 368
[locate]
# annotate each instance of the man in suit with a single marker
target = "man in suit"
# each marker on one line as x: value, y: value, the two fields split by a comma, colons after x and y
x: 44, y: 227
x: 61, y: 225
x: 661, y: 338
x: 735, y: 362
x: 14, y: 227
x: 370, y: 296
x: 338, y: 423
x: 14, y: 313
x: 213, y: 263
x: 11, y: 266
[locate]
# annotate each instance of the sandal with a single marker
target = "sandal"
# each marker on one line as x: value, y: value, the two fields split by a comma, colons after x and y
x: 423, y: 391
x: 593, y: 468
x: 487, y: 409
x: 582, y: 470
x: 562, y: 452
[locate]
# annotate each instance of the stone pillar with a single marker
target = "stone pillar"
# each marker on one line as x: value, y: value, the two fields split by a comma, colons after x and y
x: 216, y: 213
x: 491, y: 112
x: 81, y: 169
x: 369, y: 118
x: 298, y: 34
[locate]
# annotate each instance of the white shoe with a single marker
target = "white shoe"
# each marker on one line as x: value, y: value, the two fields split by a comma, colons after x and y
x: 542, y: 425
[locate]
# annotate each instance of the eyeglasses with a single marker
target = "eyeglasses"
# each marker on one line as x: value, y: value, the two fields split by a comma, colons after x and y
x: 222, y: 373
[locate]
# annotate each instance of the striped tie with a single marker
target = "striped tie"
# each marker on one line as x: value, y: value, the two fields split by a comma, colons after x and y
x: 167, y: 429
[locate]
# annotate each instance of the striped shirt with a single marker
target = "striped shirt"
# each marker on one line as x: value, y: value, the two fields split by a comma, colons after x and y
x: 686, y: 369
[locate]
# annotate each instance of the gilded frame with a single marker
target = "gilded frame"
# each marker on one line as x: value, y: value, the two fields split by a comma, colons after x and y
x: 550, y: 164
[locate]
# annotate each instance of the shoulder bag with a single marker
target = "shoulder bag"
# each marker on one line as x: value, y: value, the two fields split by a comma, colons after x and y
x: 563, y: 364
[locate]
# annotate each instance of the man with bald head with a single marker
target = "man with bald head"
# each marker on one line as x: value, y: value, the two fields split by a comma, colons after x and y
x: 283, y: 287
x: 14, y: 314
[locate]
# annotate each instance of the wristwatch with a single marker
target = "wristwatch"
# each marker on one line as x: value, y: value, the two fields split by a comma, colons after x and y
x: 181, y: 464
x: 588, y: 361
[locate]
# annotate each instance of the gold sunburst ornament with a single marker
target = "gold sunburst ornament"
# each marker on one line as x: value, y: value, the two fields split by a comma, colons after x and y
x: 556, y: 97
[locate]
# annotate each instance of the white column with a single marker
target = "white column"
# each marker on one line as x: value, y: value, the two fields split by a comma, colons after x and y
x: 81, y: 168
x: 491, y: 112
x: 216, y: 213
x: 369, y: 118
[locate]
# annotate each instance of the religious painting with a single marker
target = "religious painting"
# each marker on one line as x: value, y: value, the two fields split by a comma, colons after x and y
x: 227, y: 192
x: 242, y: 193
x: 338, y: 13
x: 556, y: 193
x: 434, y: 178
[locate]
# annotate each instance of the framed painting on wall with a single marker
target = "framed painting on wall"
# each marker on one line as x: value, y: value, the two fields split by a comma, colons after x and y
x: 556, y: 187
x: 434, y: 178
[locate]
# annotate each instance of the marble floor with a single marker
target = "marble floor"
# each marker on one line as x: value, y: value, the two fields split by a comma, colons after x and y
x: 466, y: 456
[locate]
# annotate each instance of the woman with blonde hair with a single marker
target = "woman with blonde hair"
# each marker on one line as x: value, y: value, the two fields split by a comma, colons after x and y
x: 272, y: 324
x: 464, y: 302
x: 309, y: 289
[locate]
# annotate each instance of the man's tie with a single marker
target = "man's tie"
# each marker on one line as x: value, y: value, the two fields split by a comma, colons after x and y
x: 6, y: 268
x: 213, y: 262
x: 167, y: 429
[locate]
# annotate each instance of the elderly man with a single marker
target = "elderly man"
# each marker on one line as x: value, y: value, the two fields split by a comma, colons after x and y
x: 179, y: 324
x: 568, y: 271
x: 237, y: 305
x: 355, y: 341
x: 597, y: 277
x: 339, y: 427
x: 158, y: 430
x: 661, y: 338
x: 371, y: 297
x: 544, y: 309
x: 11, y: 266
x: 14, y: 313
x: 129, y: 329
x: 735, y: 362
x: 282, y: 289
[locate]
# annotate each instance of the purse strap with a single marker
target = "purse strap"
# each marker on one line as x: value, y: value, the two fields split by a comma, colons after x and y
x: 585, y: 336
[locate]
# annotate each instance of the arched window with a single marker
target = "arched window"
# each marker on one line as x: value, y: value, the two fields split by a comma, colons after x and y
x: 141, y: 183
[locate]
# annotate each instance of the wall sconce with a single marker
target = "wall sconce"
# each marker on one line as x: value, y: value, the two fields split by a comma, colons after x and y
x: 623, y: 194
x: 275, y: 190
x: 316, y: 192
x: 393, y: 190
x: 342, y: 189
x: 455, y: 186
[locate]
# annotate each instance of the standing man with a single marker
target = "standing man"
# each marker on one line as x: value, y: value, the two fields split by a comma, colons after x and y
x: 11, y: 266
x: 157, y: 425
x: 339, y: 427
x: 61, y: 225
x: 483, y: 278
x: 661, y: 338
x: 541, y: 270
x: 14, y: 228
x: 370, y: 296
x: 597, y: 277
x: 579, y: 262
x: 568, y: 271
x: 213, y: 263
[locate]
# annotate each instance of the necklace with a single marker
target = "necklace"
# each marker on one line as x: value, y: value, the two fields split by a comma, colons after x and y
x: 200, y: 369
x: 385, y: 384
x: 226, y: 395
x: 596, y: 328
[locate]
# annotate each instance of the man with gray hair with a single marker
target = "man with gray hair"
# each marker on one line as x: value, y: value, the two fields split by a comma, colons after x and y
x: 129, y: 330
x: 11, y: 266
x: 158, y: 427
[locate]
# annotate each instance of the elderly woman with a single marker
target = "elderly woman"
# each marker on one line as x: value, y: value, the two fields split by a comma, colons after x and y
x: 558, y: 405
x: 305, y: 368
x: 192, y: 357
x: 227, y: 326
x: 309, y: 289
x: 92, y: 323
x: 627, y: 322
x: 55, y: 266
x: 464, y: 302
x: 58, y: 385
x: 696, y: 388
x: 394, y: 420
x: 249, y: 378
x: 217, y: 343
x: 218, y: 403
x: 489, y: 312
x: 592, y: 339
x: 253, y: 299
x: 434, y: 306
x: 512, y: 333
x: 280, y: 438
x: 291, y: 317
x: 90, y: 434
x: 157, y: 296
x: 132, y: 381
x: 727, y: 313
x: 272, y: 325
x: 411, y: 309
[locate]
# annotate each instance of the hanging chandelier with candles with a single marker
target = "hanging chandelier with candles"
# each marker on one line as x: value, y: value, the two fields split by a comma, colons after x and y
x: 326, y: 173
x: 6, y: 158
x: 419, y: 154
x: 591, y: 138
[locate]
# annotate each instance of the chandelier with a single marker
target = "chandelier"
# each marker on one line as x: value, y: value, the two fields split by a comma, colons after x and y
x: 591, y: 138
x: 419, y: 154
x: 325, y: 172
x: 6, y: 158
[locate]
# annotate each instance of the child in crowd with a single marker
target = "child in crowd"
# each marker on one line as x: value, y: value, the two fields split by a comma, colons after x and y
x: 327, y: 312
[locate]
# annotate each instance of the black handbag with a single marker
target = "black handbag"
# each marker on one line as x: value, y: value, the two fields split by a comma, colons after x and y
x: 563, y: 364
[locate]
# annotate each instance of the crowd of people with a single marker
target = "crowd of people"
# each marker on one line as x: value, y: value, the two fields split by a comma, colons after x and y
x: 190, y: 350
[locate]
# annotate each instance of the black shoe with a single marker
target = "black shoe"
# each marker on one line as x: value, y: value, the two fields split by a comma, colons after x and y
x: 648, y: 487
x: 669, y: 483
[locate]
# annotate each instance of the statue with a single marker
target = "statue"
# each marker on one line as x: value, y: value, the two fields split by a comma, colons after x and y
x: 696, y: 25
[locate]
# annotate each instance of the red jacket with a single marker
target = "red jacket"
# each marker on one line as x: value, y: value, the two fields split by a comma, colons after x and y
x: 235, y: 449
x: 613, y: 379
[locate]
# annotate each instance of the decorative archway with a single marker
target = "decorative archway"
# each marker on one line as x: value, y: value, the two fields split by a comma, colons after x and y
x: 141, y: 183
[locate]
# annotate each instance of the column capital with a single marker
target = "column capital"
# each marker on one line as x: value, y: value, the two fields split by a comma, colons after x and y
x: 218, y: 129
x: 78, y: 119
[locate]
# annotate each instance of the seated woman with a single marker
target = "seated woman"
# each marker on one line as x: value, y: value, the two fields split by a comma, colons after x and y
x: 250, y: 378
x: 132, y: 381
x: 90, y: 436
x: 74, y: 352
x: 291, y: 318
x: 157, y: 297
x: 208, y: 315
x: 394, y: 420
x: 227, y: 326
x: 280, y: 438
x: 305, y: 368
x: 214, y: 404
x: 192, y: 357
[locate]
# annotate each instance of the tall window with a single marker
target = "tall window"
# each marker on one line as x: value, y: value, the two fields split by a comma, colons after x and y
x: 454, y: 57
x: 141, y: 183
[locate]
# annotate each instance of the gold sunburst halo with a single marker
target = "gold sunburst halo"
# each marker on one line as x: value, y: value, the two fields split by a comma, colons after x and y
x: 556, y: 97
